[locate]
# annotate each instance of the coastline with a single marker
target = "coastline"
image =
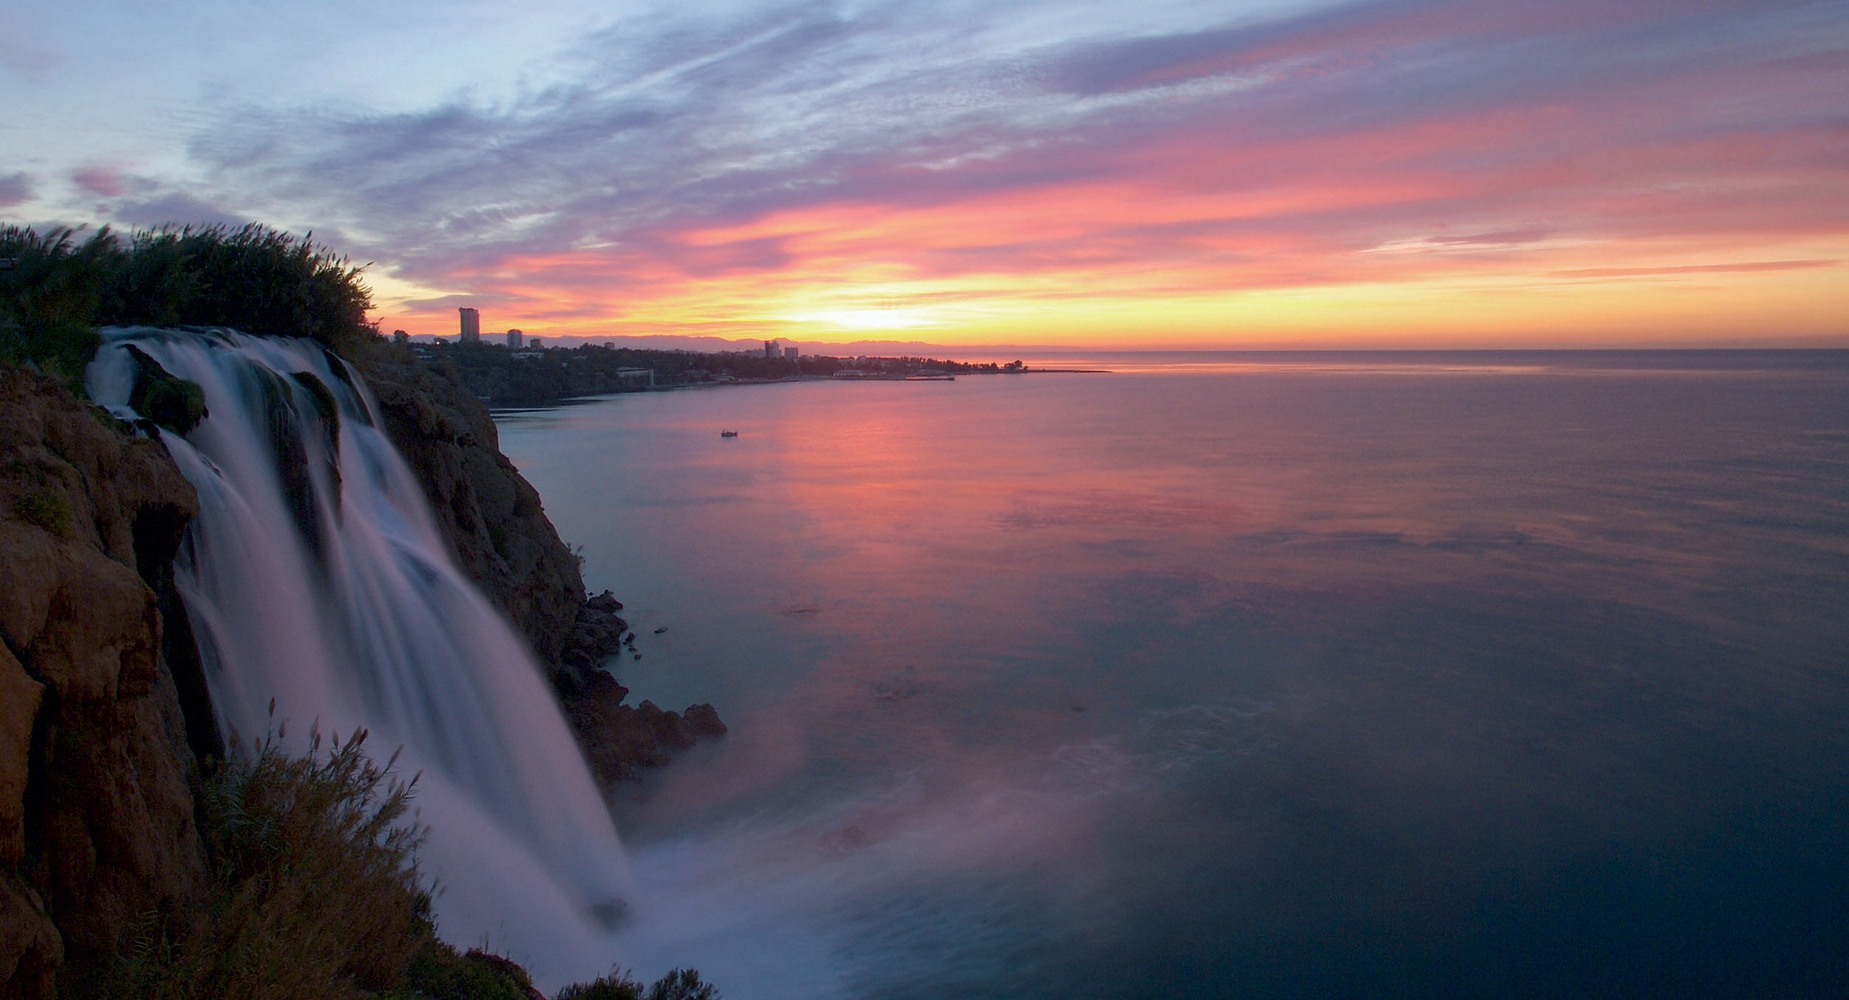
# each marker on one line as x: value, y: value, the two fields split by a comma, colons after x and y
x: 505, y: 378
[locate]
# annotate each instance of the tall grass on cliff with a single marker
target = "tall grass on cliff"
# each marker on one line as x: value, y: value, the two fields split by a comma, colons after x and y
x: 315, y: 887
x: 55, y: 288
x: 316, y: 895
x: 679, y: 984
x: 51, y: 288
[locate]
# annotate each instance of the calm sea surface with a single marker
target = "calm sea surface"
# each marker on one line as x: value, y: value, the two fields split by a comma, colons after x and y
x: 1440, y: 675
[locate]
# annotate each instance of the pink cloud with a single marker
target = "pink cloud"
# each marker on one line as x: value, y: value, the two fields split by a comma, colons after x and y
x: 104, y: 182
x: 1387, y: 142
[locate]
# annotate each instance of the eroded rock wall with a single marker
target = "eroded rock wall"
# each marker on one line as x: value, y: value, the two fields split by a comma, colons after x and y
x: 97, y: 825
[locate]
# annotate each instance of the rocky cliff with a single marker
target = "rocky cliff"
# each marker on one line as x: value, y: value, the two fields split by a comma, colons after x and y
x: 97, y: 780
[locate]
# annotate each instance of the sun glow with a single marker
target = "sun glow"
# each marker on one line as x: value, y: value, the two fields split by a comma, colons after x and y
x: 1556, y: 216
x: 856, y: 320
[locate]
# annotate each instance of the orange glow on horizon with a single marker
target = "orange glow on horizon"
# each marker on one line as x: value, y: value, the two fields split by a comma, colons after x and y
x: 1413, y: 296
x: 1202, y: 241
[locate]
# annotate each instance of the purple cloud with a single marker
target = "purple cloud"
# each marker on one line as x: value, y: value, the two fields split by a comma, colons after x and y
x: 15, y: 189
x: 1495, y: 126
x: 176, y: 210
x: 104, y: 182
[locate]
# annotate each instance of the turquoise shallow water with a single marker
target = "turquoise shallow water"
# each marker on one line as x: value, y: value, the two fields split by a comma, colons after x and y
x: 1238, y: 675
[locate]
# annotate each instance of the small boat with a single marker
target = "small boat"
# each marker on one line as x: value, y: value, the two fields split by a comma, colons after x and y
x: 728, y: 434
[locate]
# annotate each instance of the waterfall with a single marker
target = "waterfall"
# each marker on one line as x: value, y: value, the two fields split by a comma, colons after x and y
x: 315, y: 576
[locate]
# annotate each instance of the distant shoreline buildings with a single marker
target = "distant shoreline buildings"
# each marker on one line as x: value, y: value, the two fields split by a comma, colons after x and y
x: 470, y: 331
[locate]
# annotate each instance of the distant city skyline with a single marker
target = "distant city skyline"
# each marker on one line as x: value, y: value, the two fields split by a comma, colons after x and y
x: 1280, y: 173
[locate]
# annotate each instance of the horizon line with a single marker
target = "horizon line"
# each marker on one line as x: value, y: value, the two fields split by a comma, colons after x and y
x: 721, y: 345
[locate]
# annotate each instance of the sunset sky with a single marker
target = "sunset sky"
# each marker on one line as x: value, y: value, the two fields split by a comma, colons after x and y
x: 1276, y: 173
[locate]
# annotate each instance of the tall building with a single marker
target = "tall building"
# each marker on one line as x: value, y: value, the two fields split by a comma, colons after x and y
x: 513, y: 339
x: 791, y: 353
x: 471, y: 325
x: 770, y: 349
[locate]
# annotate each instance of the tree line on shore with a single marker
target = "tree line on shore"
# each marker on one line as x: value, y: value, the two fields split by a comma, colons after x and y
x: 502, y: 375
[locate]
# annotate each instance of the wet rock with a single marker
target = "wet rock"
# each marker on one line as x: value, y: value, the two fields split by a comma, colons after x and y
x: 605, y: 601
x: 171, y: 402
x: 672, y: 731
x: 604, y: 689
x: 704, y: 720
x: 621, y: 740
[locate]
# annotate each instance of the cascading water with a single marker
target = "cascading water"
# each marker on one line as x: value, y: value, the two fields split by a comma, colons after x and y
x: 315, y: 576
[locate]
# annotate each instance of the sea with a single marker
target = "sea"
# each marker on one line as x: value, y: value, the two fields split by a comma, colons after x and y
x: 1430, y: 674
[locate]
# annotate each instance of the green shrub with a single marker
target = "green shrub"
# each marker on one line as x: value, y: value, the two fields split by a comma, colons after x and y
x: 615, y: 986
x: 156, y: 283
x: 440, y: 973
x: 254, y: 279
x: 315, y: 890
x: 679, y: 984
x: 316, y: 895
x: 49, y: 296
x: 55, y: 290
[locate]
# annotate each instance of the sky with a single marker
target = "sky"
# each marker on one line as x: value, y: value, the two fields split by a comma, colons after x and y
x: 1130, y: 173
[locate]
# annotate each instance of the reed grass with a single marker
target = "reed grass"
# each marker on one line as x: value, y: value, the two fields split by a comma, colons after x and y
x: 315, y: 888
x: 57, y: 288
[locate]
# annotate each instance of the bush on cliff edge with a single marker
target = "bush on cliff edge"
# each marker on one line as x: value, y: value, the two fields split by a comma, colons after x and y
x: 315, y: 889
x: 55, y: 289
x: 50, y: 292
x: 316, y: 895
x: 680, y: 984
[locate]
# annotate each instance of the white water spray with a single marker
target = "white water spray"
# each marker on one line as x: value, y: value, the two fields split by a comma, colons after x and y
x: 315, y: 576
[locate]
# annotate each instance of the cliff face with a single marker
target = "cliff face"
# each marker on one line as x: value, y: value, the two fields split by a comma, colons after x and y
x: 97, y: 825
x: 491, y: 517
x: 503, y: 540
